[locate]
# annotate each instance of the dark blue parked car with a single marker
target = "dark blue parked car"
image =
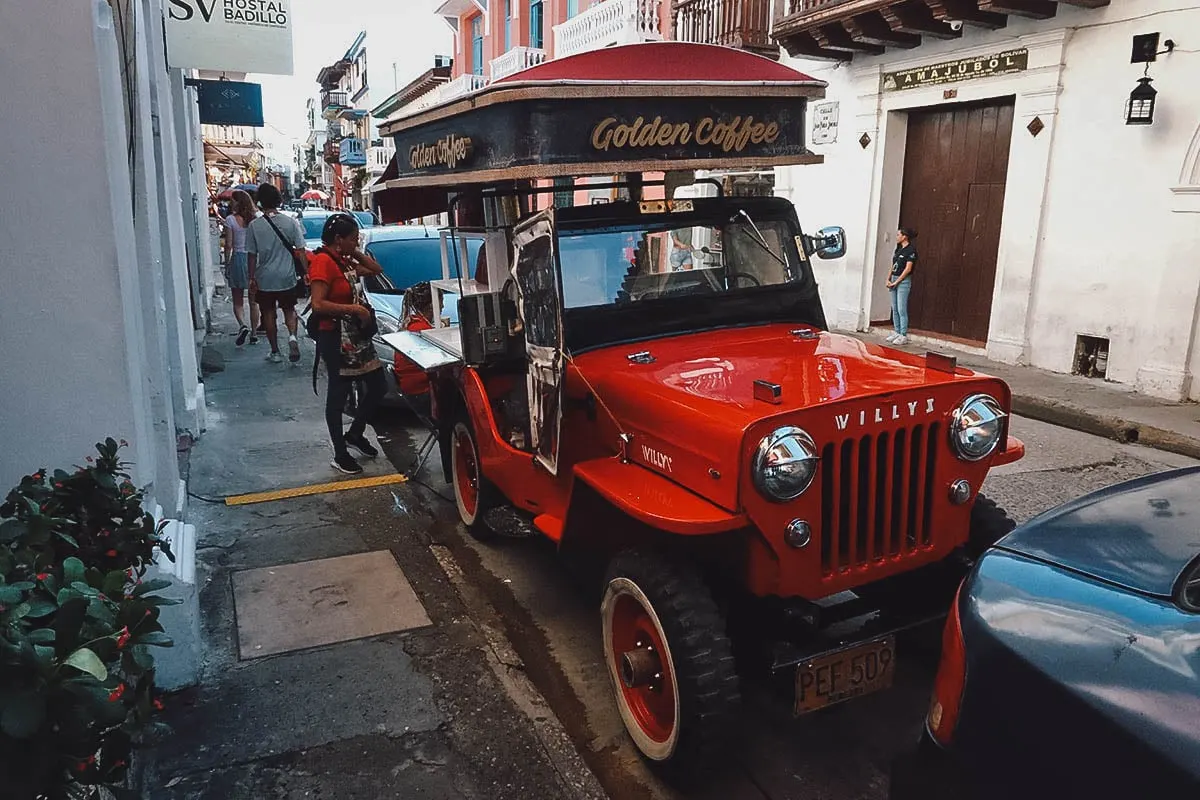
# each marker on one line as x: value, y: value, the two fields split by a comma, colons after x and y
x: 1071, y: 659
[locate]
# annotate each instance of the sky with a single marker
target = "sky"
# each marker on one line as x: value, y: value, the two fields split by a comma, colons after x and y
x: 403, y: 33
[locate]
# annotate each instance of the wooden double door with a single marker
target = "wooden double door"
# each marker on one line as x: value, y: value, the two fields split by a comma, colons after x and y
x: 955, y: 166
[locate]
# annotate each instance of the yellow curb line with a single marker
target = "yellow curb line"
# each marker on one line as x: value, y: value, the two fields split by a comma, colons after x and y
x: 317, y: 488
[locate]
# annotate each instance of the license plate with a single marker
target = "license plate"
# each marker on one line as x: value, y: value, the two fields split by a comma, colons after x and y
x: 844, y: 675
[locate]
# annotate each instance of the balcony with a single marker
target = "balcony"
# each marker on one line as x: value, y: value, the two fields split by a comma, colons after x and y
x: 334, y: 133
x: 461, y: 86
x: 515, y: 60
x: 612, y: 22
x: 352, y: 152
x: 378, y: 157
x: 838, y: 29
x: 745, y: 24
x: 332, y: 104
x: 330, y: 152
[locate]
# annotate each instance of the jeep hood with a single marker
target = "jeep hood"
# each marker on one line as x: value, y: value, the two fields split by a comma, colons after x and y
x: 695, y: 400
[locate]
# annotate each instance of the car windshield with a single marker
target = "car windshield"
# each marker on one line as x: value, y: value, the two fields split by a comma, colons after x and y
x: 365, y: 219
x: 407, y: 262
x: 630, y: 264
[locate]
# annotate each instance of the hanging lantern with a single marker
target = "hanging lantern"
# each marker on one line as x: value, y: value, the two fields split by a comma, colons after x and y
x: 1140, y: 110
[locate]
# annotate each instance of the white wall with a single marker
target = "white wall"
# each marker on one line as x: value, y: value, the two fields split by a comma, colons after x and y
x: 96, y: 312
x: 1093, y: 240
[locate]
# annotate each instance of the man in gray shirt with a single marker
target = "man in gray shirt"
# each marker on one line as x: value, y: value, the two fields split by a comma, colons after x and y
x: 272, y: 267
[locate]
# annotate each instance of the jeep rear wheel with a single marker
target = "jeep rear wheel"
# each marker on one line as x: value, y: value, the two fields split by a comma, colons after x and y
x: 472, y: 493
x: 989, y: 523
x: 669, y: 659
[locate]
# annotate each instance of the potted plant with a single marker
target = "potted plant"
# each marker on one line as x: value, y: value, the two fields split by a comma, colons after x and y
x: 77, y: 622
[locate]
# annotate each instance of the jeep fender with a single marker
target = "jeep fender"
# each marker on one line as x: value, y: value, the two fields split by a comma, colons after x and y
x: 653, y: 500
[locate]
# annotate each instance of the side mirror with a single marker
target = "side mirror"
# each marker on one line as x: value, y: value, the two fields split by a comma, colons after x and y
x: 829, y: 242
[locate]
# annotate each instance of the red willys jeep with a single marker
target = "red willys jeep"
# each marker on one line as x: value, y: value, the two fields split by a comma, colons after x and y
x: 651, y: 383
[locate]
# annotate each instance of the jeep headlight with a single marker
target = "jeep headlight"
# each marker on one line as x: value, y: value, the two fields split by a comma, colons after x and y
x: 976, y: 427
x: 785, y: 464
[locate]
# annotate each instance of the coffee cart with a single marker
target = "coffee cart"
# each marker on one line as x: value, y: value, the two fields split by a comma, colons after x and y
x: 650, y: 383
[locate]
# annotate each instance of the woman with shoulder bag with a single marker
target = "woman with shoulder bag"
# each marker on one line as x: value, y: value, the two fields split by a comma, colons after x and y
x: 345, y: 325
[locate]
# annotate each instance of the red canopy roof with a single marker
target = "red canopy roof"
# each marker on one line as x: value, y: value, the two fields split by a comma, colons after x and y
x: 662, y: 62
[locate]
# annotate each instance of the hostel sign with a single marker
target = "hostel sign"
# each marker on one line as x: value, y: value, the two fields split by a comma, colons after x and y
x: 230, y: 35
x: 964, y: 69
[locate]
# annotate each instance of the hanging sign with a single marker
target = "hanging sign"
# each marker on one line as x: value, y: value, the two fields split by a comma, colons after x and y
x: 964, y: 69
x: 825, y: 122
x: 229, y: 103
x: 230, y: 35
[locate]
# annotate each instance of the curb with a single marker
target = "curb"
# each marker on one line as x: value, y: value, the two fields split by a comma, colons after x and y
x: 1115, y: 428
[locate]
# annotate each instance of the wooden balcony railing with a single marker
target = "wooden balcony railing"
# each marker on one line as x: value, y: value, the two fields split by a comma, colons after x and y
x: 839, y: 29
x: 733, y: 23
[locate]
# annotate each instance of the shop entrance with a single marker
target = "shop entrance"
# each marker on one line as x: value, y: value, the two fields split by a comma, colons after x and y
x: 955, y: 165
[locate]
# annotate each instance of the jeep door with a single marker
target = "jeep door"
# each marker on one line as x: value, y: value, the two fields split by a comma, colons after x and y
x: 539, y: 305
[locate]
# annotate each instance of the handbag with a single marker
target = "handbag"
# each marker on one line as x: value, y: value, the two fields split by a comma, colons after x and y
x: 301, y: 272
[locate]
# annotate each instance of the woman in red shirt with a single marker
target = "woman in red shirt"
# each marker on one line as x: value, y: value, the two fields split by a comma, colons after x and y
x: 342, y: 343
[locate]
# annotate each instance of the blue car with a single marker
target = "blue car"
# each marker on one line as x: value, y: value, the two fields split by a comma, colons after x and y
x: 1071, y: 658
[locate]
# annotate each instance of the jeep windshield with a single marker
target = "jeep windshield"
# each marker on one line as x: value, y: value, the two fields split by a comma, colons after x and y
x: 637, y: 263
x: 729, y: 262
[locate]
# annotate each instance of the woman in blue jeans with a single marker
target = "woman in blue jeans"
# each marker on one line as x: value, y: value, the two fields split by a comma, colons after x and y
x: 899, y: 283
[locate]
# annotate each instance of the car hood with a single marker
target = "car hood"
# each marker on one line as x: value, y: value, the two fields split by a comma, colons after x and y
x: 390, y: 304
x: 691, y: 408
x: 1141, y: 534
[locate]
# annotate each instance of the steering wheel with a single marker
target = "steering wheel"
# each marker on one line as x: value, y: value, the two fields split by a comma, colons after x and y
x: 729, y: 276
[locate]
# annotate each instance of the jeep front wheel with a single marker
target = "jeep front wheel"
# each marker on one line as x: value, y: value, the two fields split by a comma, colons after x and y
x: 669, y: 659
x: 472, y: 493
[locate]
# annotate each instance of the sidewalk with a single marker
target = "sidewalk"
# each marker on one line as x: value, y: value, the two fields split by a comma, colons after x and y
x: 1086, y: 404
x: 343, y: 657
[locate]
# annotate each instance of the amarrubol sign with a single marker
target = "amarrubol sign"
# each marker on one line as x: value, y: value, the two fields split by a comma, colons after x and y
x: 230, y: 35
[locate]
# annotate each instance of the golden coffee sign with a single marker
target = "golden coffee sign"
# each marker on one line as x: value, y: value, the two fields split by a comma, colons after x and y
x: 449, y: 152
x: 728, y: 135
x: 964, y: 69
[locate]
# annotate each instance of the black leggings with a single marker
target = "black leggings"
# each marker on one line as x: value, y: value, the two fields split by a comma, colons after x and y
x: 329, y: 345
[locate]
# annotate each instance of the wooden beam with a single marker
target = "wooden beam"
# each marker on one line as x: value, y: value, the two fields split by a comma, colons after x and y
x: 873, y: 29
x: 804, y: 45
x: 1086, y: 3
x: 966, y: 11
x: 1033, y: 9
x: 835, y: 37
x: 916, y: 18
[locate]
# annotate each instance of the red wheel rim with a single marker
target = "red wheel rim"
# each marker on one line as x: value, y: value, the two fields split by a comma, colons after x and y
x: 652, y: 706
x: 466, y: 471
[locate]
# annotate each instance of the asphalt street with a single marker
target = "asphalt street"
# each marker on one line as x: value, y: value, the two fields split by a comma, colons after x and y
x: 838, y: 754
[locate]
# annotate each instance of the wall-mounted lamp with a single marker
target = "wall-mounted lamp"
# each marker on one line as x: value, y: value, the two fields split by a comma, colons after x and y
x: 1139, y: 110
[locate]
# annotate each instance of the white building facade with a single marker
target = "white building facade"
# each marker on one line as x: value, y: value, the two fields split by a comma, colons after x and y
x: 1048, y: 228
x: 108, y: 273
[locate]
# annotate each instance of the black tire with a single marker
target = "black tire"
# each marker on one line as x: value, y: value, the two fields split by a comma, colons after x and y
x: 675, y: 602
x: 989, y: 523
x: 463, y: 444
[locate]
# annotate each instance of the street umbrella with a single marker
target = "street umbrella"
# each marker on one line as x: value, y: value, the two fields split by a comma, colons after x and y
x: 314, y: 194
x: 249, y: 188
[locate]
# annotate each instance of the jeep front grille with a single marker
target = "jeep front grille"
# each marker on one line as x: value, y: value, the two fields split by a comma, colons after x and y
x: 877, y: 496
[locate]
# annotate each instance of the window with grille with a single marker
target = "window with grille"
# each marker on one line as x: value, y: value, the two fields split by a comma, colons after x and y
x: 536, y: 37
x: 564, y: 192
x: 477, y: 45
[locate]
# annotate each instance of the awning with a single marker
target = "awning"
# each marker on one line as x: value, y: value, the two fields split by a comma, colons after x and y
x: 400, y: 204
x: 648, y: 107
